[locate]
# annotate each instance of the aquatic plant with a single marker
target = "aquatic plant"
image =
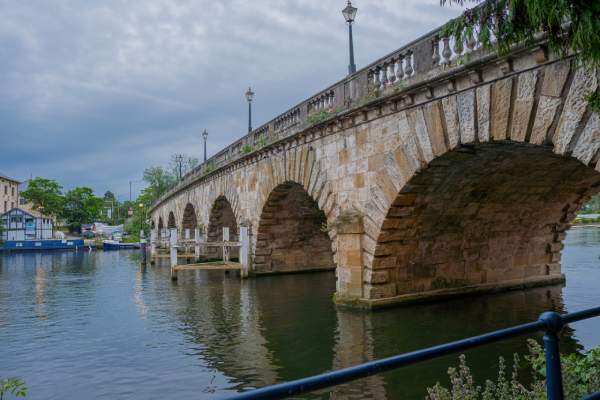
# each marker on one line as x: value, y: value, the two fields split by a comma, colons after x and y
x: 581, y: 377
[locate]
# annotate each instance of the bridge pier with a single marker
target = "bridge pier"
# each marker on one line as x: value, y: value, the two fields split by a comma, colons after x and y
x: 349, y: 288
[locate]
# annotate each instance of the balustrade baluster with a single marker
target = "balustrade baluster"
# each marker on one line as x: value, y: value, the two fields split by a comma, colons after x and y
x: 384, y: 76
x: 392, y: 71
x: 436, y: 51
x: 409, y: 61
x: 377, y: 79
x: 400, y: 73
x: 470, y: 40
x: 370, y: 79
x: 446, y: 52
x: 458, y: 45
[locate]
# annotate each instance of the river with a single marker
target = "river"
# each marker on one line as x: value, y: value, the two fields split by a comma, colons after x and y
x: 96, y: 325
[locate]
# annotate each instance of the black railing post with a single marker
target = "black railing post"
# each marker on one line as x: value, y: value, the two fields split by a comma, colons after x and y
x: 554, y: 383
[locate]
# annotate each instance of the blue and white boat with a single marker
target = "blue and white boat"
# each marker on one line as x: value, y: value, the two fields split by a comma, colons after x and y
x: 115, y: 245
x: 42, y: 245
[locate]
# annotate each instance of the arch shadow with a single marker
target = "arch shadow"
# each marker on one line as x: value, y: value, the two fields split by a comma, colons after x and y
x: 291, y: 237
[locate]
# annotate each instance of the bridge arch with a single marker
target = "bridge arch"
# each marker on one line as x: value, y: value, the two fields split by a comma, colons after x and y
x: 483, y: 214
x: 189, y: 220
x: 291, y: 233
x: 221, y: 216
x: 171, y: 224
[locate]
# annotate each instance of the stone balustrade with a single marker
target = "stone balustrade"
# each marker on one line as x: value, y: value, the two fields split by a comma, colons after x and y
x: 432, y: 56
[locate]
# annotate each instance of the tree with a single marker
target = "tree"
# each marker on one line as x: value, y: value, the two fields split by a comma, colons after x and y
x: 81, y: 206
x: 181, y: 164
x: 569, y: 25
x: 159, y: 182
x: 44, y: 195
x: 110, y: 206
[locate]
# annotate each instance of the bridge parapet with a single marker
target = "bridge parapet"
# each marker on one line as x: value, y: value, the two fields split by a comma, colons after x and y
x: 414, y: 70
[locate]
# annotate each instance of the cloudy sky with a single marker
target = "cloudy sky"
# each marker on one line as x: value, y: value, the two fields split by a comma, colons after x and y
x: 92, y: 92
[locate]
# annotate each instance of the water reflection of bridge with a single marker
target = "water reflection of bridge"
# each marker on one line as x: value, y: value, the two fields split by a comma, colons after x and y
x: 264, y: 331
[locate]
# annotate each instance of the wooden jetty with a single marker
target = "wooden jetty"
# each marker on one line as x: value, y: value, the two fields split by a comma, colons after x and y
x: 199, y: 244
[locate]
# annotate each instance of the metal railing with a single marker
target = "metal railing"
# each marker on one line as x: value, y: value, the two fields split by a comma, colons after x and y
x: 551, y: 323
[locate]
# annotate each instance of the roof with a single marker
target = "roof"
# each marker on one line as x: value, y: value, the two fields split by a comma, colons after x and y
x: 29, y: 211
x: 2, y: 176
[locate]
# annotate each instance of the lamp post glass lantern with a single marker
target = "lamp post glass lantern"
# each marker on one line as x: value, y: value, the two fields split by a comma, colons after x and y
x: 349, y: 14
x: 249, y: 97
x: 205, y: 136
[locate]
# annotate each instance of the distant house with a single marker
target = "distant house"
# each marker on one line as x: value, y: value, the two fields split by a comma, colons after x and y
x: 21, y: 224
x: 9, y: 193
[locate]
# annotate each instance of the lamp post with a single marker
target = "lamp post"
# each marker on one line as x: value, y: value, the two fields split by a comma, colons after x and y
x: 179, y: 163
x: 349, y: 14
x: 205, y: 136
x: 249, y: 96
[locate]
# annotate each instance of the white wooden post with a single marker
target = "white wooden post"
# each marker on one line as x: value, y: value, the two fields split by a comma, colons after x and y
x: 187, y: 238
x: 197, y: 240
x: 153, y: 243
x: 173, y: 253
x: 244, y: 250
x: 225, y: 248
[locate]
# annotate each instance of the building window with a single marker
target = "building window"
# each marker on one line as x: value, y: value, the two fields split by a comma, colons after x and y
x: 6, y: 190
x: 12, y: 191
x: 12, y: 204
x: 5, y: 205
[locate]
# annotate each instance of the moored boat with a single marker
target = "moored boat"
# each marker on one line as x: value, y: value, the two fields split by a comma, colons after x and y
x: 114, y: 245
x: 41, y: 245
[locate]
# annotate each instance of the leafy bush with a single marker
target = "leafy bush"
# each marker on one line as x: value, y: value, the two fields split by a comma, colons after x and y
x: 579, y: 220
x: 246, y: 149
x: 13, y: 386
x: 318, y: 116
x: 581, y: 377
x: 516, y: 21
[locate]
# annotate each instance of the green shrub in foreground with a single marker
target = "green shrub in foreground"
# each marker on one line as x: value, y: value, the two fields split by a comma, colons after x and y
x: 581, y: 377
x: 13, y: 386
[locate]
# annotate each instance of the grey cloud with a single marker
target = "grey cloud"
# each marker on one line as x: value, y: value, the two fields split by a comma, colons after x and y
x: 93, y: 92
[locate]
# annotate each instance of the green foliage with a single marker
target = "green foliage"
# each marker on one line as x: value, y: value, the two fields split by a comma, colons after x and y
x: 580, y: 220
x: 581, y: 376
x: 371, y: 96
x: 247, y: 149
x: 81, y: 206
x: 13, y: 386
x: 262, y: 142
x: 44, y: 195
x: 136, y: 223
x: 181, y: 164
x: 593, y: 205
x: 318, y: 117
x: 569, y: 24
x: 159, y: 181
x: 210, y: 167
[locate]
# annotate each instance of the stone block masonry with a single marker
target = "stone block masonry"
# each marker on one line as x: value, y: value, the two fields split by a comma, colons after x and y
x: 462, y: 183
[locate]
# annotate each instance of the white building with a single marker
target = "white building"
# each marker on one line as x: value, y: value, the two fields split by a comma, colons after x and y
x: 19, y: 224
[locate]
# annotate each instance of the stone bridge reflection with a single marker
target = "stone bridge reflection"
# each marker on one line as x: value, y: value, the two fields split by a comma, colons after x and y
x: 264, y: 331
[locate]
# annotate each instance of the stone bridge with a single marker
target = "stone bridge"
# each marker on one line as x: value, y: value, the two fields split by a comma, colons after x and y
x: 440, y: 169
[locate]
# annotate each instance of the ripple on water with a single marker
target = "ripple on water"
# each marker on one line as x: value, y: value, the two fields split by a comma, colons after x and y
x: 97, y: 326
